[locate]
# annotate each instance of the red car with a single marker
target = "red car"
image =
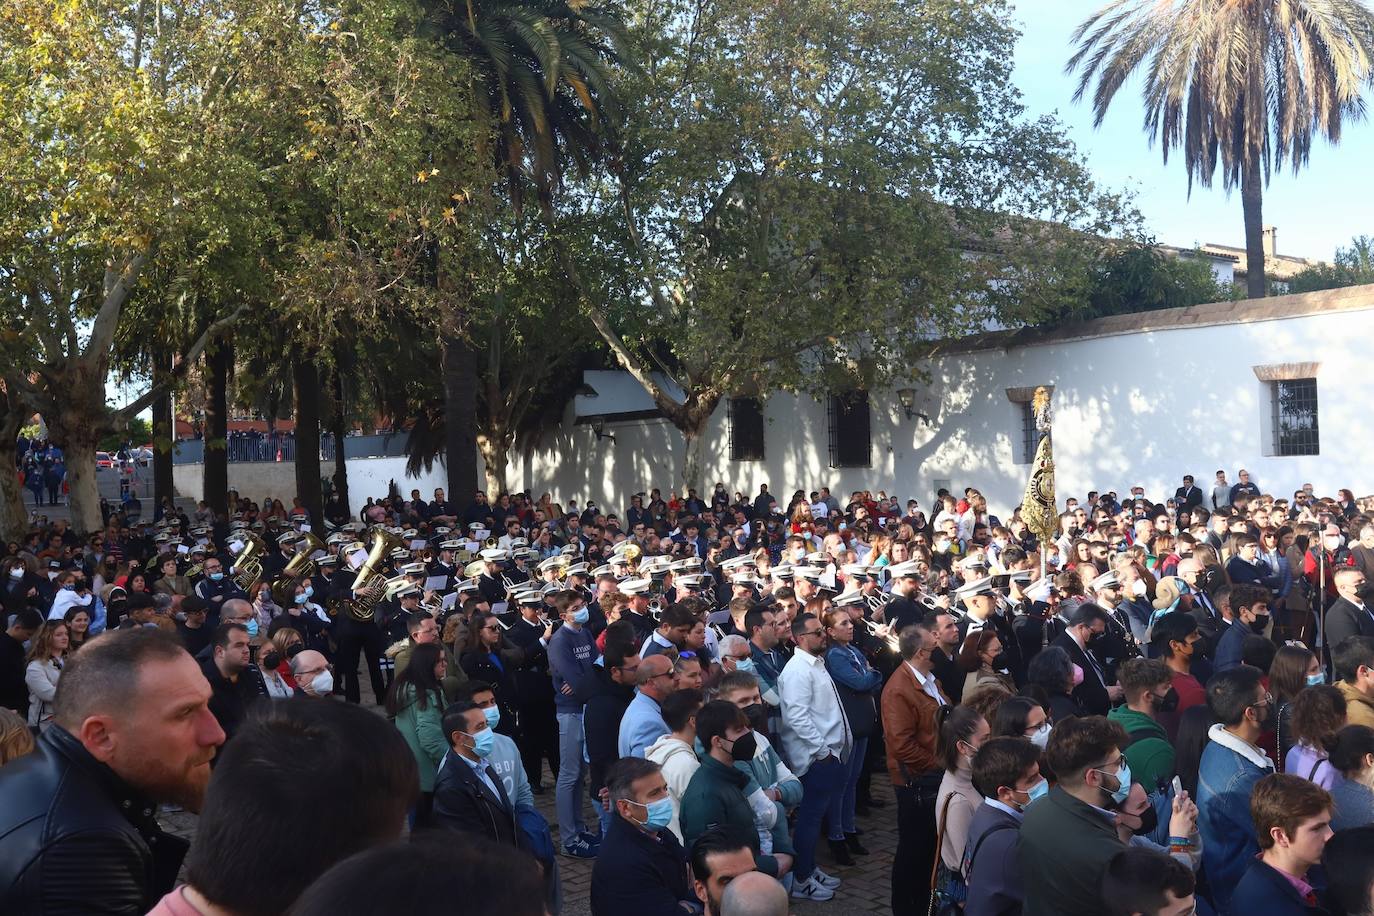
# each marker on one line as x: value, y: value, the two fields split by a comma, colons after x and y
x: 103, y: 460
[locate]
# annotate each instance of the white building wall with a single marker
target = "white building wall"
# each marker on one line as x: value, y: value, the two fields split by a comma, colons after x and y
x: 1144, y: 407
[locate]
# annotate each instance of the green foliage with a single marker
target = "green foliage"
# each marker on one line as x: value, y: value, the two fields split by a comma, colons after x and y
x: 1352, y: 266
x: 800, y: 186
x: 1126, y: 278
x: 138, y: 432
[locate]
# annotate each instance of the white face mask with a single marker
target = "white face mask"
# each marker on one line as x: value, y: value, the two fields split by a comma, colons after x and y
x: 323, y: 684
x: 1138, y: 588
x: 1041, y: 738
x: 17, y: 573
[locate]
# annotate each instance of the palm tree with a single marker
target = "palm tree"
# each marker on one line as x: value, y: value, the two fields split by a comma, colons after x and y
x: 542, y: 78
x: 1244, y: 84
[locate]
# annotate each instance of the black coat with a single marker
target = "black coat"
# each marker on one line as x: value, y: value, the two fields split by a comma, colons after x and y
x: 533, y: 685
x: 1092, y: 693
x: 639, y: 874
x: 463, y: 802
x: 950, y: 675
x: 229, y: 700
x: 601, y: 724
x: 1344, y: 619
x: 1189, y: 498
x: 479, y: 667
x: 75, y: 837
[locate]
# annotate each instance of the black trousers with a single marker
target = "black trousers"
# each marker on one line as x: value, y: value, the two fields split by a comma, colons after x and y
x: 915, y: 854
x: 356, y: 639
x: 538, y: 741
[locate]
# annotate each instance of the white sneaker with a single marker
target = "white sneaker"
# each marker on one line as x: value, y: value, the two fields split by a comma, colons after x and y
x: 811, y: 889
x: 824, y: 880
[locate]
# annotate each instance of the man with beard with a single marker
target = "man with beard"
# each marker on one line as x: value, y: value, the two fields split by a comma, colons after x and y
x: 718, y: 858
x: 132, y: 727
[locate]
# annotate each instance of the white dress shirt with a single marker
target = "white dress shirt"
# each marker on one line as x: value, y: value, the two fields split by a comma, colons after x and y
x: 813, y: 722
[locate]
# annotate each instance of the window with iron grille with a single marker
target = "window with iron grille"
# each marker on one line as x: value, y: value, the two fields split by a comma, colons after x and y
x: 1030, y: 436
x: 746, y: 429
x: 851, y: 443
x: 1295, y: 417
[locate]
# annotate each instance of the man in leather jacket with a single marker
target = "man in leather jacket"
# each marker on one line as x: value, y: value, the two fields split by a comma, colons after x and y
x: 132, y: 728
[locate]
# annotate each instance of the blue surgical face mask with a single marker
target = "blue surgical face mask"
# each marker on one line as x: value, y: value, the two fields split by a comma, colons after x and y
x: 1316, y: 680
x: 216, y: 576
x: 1123, y: 778
x: 744, y: 664
x: 493, y: 714
x: 482, y: 742
x: 252, y: 627
x: 581, y: 616
x: 658, y: 814
x: 309, y: 591
x: 302, y: 598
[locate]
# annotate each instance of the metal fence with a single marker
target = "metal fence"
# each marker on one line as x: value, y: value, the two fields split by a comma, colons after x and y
x: 282, y: 447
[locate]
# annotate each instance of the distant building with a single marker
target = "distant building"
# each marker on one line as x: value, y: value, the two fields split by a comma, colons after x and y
x: 1264, y: 384
x: 1278, y: 268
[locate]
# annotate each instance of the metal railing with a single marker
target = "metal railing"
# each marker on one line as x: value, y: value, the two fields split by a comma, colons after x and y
x: 282, y: 447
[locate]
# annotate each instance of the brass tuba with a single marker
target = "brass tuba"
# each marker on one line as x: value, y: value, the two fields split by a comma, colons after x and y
x: 248, y: 563
x: 301, y: 566
x: 370, y: 582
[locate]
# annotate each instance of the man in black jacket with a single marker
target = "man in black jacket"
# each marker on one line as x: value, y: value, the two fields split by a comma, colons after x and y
x: 468, y: 794
x: 132, y: 728
x: 1188, y: 496
x: 641, y: 867
x: 14, y: 691
x: 1349, y: 615
x: 1086, y: 628
x: 534, y: 691
x: 235, y: 683
x: 615, y: 688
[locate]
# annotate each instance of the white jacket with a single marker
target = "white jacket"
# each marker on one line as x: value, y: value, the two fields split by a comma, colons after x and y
x: 41, y: 678
x: 679, y: 761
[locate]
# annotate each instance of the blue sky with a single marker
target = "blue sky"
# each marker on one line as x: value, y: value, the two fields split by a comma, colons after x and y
x: 1327, y: 204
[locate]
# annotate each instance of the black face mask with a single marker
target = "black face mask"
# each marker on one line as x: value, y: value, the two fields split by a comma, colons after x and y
x: 757, y: 714
x: 1166, y: 703
x: 744, y: 747
x: 1149, y: 820
x: 1095, y: 638
x: 271, y: 660
x: 1259, y: 623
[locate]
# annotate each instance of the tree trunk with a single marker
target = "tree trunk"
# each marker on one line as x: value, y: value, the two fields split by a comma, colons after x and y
x: 693, y: 455
x: 218, y: 360
x: 340, y: 431
x: 14, y: 518
x: 78, y: 449
x: 1251, y: 195
x: 496, y: 456
x: 307, y: 383
x: 460, y: 419
x: 164, y: 434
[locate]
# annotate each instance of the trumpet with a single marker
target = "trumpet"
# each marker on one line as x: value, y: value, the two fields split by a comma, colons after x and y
x: 656, y: 608
x: 879, y: 600
x: 884, y: 632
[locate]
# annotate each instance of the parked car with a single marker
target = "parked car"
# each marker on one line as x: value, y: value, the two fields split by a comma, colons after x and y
x: 103, y: 460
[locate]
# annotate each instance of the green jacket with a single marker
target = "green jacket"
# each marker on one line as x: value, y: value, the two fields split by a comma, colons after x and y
x: 715, y: 798
x: 1065, y: 847
x: 1150, y: 755
x: 423, y: 730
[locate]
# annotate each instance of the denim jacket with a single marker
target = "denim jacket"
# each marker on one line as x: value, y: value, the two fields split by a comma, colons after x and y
x: 1228, y: 771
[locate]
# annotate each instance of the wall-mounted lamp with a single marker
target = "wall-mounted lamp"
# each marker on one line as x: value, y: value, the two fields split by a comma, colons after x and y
x: 908, y: 398
x: 599, y: 427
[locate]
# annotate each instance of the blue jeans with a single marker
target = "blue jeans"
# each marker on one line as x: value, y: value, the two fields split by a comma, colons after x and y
x: 572, y: 770
x: 821, y: 783
x: 841, y: 813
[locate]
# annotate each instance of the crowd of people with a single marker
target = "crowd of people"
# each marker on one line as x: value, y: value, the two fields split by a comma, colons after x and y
x: 1166, y: 708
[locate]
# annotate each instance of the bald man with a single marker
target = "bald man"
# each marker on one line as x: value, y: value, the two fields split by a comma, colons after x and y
x: 643, y: 723
x: 754, y: 894
x: 312, y: 674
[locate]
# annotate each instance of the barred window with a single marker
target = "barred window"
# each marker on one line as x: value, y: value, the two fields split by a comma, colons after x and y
x: 746, y: 429
x: 1030, y: 436
x: 851, y: 442
x: 1295, y: 417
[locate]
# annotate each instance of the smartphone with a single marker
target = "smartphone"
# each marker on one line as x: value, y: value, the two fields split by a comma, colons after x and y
x: 1178, y: 787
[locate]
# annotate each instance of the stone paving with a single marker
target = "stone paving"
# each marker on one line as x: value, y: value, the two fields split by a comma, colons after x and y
x: 866, y: 883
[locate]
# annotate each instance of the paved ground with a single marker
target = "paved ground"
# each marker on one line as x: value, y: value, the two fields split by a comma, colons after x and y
x: 865, y: 889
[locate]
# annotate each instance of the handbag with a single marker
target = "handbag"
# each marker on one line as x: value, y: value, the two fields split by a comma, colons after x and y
x: 947, y: 888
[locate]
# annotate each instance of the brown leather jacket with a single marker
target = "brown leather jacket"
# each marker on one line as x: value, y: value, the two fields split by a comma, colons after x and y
x: 909, y: 726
